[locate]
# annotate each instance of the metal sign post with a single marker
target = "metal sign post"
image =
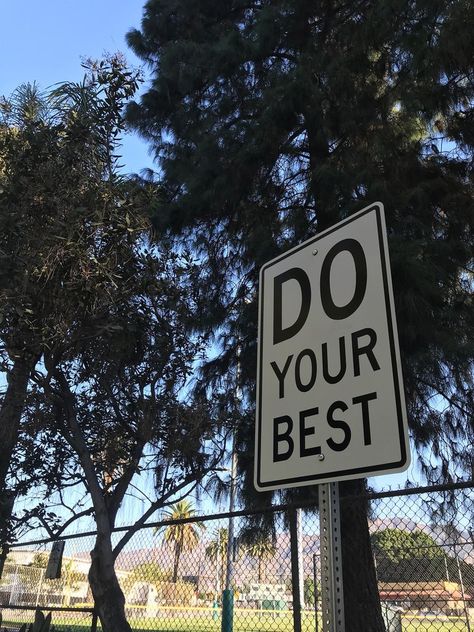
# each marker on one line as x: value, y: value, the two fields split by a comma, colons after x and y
x: 330, y: 396
x: 332, y: 597
x: 53, y: 570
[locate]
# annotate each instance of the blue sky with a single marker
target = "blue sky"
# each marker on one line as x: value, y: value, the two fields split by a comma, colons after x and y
x: 44, y: 41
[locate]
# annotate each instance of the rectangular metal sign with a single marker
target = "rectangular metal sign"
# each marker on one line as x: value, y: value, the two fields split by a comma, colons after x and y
x: 330, y: 403
x: 53, y: 570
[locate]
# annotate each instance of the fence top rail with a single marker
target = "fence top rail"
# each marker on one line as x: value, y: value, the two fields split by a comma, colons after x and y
x: 48, y: 608
x: 410, y: 491
x: 310, y: 504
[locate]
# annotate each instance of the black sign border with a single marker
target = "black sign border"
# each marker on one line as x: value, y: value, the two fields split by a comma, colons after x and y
x: 297, y: 481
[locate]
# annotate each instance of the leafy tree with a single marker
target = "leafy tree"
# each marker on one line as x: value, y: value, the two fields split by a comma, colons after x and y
x: 40, y: 560
x: 182, y: 536
x: 149, y: 572
x: 404, y: 556
x: 105, y: 310
x: 309, y: 592
x: 56, y: 151
x: 120, y: 413
x: 408, y: 556
x: 398, y: 544
x: 272, y: 120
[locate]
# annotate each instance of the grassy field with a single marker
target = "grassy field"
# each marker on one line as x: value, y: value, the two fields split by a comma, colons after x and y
x: 208, y: 620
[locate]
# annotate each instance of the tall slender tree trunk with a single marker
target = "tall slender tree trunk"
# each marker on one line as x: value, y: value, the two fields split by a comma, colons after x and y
x: 177, y: 555
x: 222, y: 556
x: 10, y: 416
x: 109, y: 599
x: 362, y: 608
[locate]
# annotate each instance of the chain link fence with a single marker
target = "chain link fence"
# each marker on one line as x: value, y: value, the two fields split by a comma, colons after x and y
x: 173, y: 575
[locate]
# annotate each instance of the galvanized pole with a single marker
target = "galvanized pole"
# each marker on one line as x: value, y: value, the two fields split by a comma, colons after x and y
x: 315, y: 591
x: 463, y: 594
x: 299, y: 528
x: 228, y: 593
x: 230, y: 539
x: 295, y: 570
x: 218, y: 565
x: 40, y: 585
x: 446, y: 567
x: 332, y: 599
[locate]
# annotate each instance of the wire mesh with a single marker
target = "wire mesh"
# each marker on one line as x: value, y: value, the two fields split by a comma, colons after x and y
x: 173, y: 576
x: 424, y: 555
x: 63, y: 621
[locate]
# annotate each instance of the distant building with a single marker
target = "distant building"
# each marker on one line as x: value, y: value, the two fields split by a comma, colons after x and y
x: 445, y: 597
x: 275, y: 596
x: 24, y: 583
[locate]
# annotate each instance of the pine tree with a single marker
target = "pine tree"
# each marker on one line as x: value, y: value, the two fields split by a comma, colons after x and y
x: 271, y: 120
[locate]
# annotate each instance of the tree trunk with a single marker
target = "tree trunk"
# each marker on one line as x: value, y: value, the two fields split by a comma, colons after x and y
x: 177, y: 555
x: 222, y: 577
x: 362, y: 608
x: 10, y: 416
x: 109, y: 599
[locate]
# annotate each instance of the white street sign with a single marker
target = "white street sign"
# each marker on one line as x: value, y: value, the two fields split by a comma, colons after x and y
x: 330, y: 402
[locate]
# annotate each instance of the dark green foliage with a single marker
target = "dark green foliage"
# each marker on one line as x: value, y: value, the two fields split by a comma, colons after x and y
x: 309, y: 593
x: 57, y: 155
x: 149, y: 572
x: 404, y: 556
x: 95, y: 328
x: 396, y: 545
x: 438, y: 569
x: 272, y: 120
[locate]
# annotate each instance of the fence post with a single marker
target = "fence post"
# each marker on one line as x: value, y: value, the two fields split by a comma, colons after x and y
x: 463, y: 594
x: 332, y: 601
x: 94, y: 621
x: 295, y: 570
x: 315, y: 592
x: 227, y: 623
x: 40, y: 585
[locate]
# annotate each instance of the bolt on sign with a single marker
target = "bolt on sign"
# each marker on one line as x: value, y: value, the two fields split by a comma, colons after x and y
x: 330, y: 402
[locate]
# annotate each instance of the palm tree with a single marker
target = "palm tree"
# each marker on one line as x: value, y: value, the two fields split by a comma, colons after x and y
x: 262, y: 548
x: 216, y: 550
x: 184, y: 536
